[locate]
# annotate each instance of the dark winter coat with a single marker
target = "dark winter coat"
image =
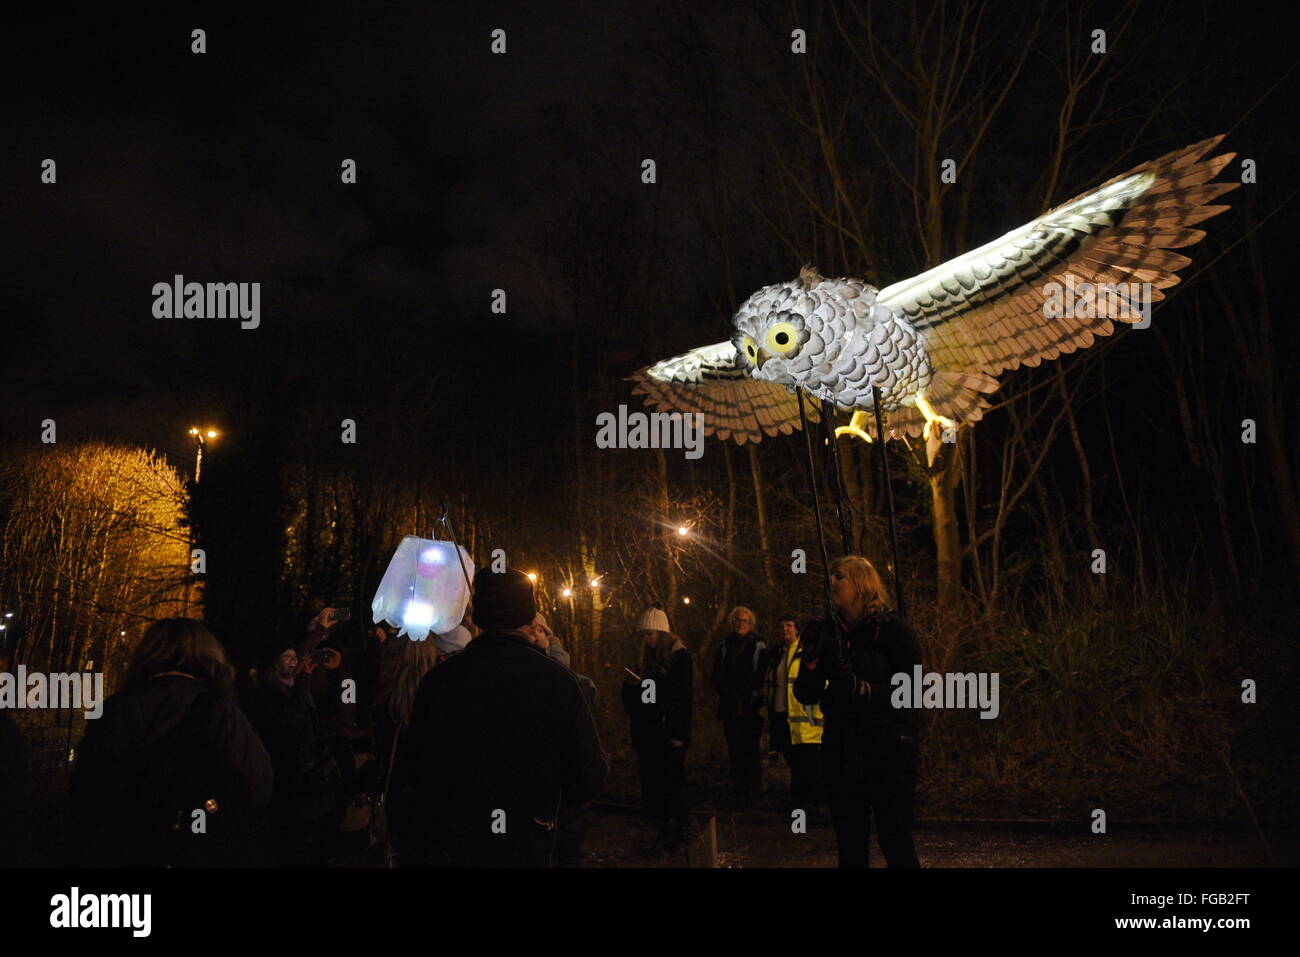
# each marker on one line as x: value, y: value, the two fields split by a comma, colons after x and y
x: 738, y: 676
x: 156, y: 755
x: 307, y: 777
x: 862, y: 727
x: 500, y: 737
x: 668, y: 718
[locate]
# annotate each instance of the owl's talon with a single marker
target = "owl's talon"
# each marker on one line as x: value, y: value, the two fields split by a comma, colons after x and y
x: 855, y: 426
x: 932, y: 418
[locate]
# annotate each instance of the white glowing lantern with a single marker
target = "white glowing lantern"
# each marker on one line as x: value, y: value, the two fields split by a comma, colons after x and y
x: 424, y: 589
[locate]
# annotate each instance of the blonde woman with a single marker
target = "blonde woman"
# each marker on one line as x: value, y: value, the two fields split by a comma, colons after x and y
x: 869, y: 748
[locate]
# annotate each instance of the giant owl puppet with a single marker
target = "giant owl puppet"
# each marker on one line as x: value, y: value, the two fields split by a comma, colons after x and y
x: 935, y: 344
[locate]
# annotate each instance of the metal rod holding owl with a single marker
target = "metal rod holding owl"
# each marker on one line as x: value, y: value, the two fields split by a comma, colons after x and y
x: 817, y: 505
x: 889, y: 504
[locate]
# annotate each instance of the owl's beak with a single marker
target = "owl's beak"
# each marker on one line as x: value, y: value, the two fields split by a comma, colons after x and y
x: 762, y: 357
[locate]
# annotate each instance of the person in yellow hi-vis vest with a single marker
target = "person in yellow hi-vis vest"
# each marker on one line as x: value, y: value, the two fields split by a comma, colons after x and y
x: 794, y: 729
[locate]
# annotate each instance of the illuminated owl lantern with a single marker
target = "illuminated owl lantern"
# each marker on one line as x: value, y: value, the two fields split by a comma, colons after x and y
x: 425, y: 589
x: 934, y: 344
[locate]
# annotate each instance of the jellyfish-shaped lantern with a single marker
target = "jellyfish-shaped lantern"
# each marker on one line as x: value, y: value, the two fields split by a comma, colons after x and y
x: 424, y: 589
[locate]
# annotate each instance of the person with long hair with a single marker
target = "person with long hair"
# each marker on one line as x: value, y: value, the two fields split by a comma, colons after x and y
x: 403, y: 670
x: 869, y: 746
x: 659, y: 698
x: 171, y: 749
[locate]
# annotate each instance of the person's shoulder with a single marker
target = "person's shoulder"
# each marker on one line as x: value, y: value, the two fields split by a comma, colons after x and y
x: 895, y: 627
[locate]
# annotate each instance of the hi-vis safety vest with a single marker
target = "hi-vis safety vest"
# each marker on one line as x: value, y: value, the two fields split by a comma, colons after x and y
x: 805, y: 720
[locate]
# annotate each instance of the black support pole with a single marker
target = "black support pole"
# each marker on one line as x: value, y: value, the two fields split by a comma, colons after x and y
x: 889, y: 501
x: 817, y: 504
x: 833, y: 464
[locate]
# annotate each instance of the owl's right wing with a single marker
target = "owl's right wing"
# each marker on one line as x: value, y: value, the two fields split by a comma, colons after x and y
x: 710, y: 380
x: 986, y: 311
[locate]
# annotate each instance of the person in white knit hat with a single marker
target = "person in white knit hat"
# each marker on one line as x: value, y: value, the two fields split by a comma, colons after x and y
x: 658, y: 697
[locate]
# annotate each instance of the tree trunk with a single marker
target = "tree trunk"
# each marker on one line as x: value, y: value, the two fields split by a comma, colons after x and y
x: 947, y: 540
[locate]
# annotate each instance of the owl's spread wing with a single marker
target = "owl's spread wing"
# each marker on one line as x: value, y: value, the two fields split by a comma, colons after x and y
x: 984, y: 311
x: 709, y: 380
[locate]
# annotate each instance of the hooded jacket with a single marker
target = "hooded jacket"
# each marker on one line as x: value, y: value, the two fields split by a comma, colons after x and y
x: 157, y: 754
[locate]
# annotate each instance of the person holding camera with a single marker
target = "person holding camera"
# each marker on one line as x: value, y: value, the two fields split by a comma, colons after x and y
x: 869, y: 747
x: 306, y: 803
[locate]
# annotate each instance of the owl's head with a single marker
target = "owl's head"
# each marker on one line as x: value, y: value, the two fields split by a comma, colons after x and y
x: 773, y: 326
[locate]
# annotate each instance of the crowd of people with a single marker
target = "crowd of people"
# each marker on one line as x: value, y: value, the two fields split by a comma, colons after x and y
x: 820, y: 694
x: 478, y: 747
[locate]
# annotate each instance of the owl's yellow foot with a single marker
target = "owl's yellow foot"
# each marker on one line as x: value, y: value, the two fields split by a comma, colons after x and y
x: 855, y: 426
x: 933, y: 418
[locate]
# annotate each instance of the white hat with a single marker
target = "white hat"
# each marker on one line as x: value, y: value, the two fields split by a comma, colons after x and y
x: 453, y: 641
x: 653, y: 619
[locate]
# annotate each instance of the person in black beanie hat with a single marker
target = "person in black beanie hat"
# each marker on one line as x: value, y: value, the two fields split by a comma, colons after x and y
x: 503, y: 601
x: 500, y: 744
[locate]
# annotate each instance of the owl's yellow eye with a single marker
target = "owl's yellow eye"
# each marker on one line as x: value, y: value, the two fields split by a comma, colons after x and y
x: 782, y: 337
x: 751, y: 349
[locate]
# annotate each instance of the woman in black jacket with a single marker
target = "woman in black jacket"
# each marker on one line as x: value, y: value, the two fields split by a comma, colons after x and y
x: 172, y: 773
x: 869, y: 747
x: 659, y: 698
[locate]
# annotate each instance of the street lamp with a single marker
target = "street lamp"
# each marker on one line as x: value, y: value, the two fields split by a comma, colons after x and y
x: 682, y: 530
x: 532, y: 576
x: 200, y: 437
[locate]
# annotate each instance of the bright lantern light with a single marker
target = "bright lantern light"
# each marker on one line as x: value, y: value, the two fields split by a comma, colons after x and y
x: 682, y: 529
x: 567, y: 592
x: 595, y: 583
x: 212, y: 433
x: 418, y: 615
x: 194, y: 431
x: 532, y: 576
x: 686, y: 600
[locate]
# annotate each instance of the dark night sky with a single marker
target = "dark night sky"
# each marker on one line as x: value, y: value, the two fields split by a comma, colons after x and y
x: 225, y: 167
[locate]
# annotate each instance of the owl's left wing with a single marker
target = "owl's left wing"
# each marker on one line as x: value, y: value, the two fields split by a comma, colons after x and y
x: 985, y: 311
x: 709, y: 380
